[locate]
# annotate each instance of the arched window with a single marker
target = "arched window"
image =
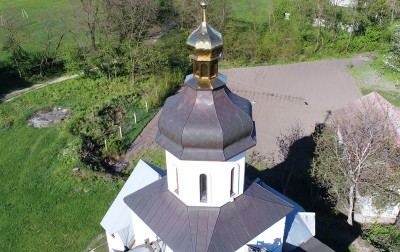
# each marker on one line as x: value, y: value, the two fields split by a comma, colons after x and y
x: 204, y: 70
x: 203, y: 188
x: 232, y: 181
x: 177, y: 180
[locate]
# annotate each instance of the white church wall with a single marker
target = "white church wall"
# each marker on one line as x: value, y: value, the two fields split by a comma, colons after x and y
x: 114, y: 242
x: 142, y: 231
x: 271, y: 239
x: 368, y: 213
x: 218, y: 179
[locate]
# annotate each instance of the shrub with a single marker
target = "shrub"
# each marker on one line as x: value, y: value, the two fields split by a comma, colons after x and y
x: 383, y: 237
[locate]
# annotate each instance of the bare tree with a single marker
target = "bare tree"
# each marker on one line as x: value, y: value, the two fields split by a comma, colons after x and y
x: 91, y: 9
x: 133, y: 20
x: 52, y: 43
x: 394, y: 9
x: 189, y: 12
x: 290, y: 152
x: 14, y: 27
x: 358, y: 154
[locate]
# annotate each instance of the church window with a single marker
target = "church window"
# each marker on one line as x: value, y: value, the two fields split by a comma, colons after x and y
x: 203, y: 188
x: 232, y: 181
x: 204, y: 70
x: 177, y: 180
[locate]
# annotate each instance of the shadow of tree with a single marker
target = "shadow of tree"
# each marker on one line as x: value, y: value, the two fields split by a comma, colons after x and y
x: 331, y: 226
x: 10, y: 80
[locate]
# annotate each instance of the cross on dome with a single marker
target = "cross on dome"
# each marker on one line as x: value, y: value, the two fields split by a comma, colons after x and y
x: 205, y: 46
x: 204, y: 4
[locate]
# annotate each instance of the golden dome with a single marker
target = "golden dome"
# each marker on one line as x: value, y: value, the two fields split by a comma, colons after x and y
x: 205, y: 46
x: 204, y: 43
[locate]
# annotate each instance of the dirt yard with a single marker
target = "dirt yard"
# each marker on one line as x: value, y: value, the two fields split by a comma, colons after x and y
x: 282, y: 96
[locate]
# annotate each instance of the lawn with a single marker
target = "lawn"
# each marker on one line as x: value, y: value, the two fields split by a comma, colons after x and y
x: 44, y: 207
x: 250, y: 11
x: 375, y: 76
x: 39, y: 12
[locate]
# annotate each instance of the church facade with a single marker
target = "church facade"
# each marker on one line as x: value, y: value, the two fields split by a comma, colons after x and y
x: 204, y: 202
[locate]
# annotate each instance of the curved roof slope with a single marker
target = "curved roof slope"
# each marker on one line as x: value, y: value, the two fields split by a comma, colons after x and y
x: 207, y: 125
x: 225, y: 228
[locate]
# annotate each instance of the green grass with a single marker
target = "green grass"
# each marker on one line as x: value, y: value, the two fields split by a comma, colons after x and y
x: 40, y: 210
x: 392, y: 96
x: 375, y: 76
x: 43, y: 206
x: 39, y: 11
x: 250, y: 11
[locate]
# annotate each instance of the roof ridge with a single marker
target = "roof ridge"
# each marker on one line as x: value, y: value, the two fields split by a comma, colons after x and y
x: 275, y: 199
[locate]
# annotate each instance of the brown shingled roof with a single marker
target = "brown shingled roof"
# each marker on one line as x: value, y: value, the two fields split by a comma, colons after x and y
x: 185, y: 228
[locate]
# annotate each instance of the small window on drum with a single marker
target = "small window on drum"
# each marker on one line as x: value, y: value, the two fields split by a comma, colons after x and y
x: 232, y: 181
x: 203, y: 188
x: 204, y: 71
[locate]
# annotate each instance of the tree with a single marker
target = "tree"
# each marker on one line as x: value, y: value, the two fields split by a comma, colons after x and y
x: 290, y: 152
x: 393, y: 60
x: 52, y: 43
x: 90, y: 9
x: 14, y: 27
x: 357, y: 154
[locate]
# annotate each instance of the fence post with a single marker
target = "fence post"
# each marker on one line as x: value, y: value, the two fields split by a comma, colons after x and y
x: 120, y: 131
x: 105, y: 143
x: 134, y: 115
x: 147, y: 107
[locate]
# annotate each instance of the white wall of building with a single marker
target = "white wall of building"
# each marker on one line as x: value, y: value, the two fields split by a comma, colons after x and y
x: 114, y: 242
x: 184, y: 179
x: 368, y: 213
x: 271, y: 239
x: 141, y: 230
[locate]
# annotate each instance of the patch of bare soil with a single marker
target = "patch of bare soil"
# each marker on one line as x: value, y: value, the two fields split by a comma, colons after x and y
x: 49, y: 118
x: 360, y: 245
x: 99, y: 244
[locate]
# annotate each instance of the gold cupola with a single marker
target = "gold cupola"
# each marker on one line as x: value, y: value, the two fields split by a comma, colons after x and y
x: 204, y: 46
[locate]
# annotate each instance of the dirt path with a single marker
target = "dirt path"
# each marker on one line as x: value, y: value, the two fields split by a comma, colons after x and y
x: 11, y: 96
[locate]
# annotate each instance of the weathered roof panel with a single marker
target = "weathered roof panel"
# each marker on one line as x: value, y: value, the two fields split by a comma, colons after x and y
x: 208, y: 125
x: 226, y: 228
x: 118, y: 214
x: 313, y: 245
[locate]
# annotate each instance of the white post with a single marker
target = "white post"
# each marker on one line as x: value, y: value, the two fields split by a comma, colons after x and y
x: 147, y: 107
x: 134, y: 115
x: 120, y: 131
x: 105, y: 143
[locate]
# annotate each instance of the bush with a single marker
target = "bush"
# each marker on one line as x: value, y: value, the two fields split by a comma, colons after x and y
x: 386, y: 238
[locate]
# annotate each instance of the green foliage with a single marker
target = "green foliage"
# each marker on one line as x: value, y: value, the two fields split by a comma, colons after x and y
x: 393, y: 59
x: 45, y: 206
x: 386, y: 238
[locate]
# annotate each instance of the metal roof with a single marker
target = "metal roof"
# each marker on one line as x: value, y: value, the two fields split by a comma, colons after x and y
x: 208, y: 125
x: 227, y: 228
x: 313, y: 245
x: 118, y: 215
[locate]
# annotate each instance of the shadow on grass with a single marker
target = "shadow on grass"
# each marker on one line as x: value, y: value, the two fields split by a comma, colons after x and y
x: 10, y: 80
x: 292, y: 178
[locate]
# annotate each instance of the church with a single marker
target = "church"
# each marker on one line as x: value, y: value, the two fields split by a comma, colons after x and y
x: 203, y: 200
